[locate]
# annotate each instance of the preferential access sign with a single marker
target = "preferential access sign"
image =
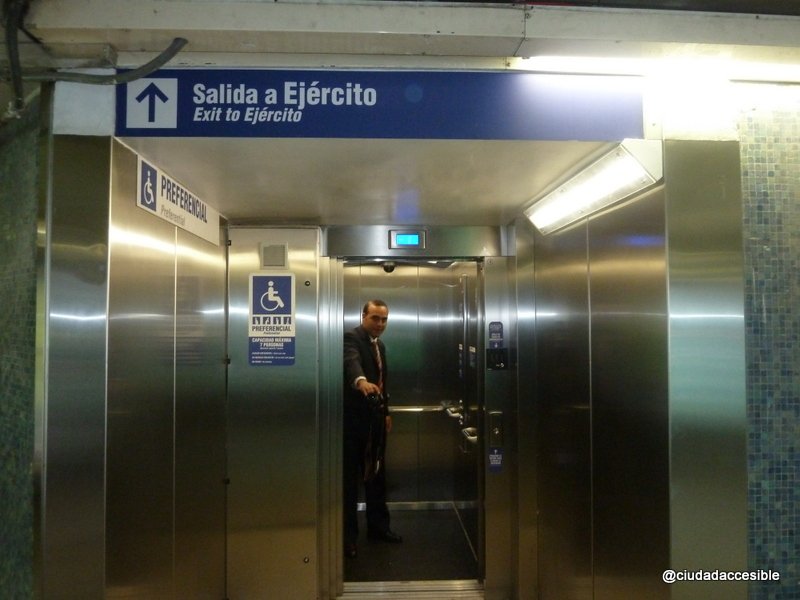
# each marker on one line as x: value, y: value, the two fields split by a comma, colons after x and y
x: 271, y: 325
x: 164, y: 197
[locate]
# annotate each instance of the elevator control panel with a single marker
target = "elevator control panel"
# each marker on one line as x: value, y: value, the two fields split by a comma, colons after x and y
x: 496, y: 442
x: 496, y: 429
x: 497, y: 359
x: 406, y: 238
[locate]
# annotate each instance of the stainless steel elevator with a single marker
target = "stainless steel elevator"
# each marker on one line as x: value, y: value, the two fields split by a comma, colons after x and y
x: 559, y: 395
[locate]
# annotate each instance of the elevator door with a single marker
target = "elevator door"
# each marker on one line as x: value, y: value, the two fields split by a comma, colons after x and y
x: 433, y: 458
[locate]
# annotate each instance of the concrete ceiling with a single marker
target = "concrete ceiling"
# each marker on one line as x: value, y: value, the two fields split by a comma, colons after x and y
x: 375, y: 181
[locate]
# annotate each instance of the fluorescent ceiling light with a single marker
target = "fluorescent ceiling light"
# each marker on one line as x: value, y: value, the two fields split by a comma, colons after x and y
x: 669, y: 66
x: 587, y: 65
x: 625, y: 170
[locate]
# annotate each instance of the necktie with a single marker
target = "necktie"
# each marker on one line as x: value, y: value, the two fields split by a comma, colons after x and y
x: 378, y: 360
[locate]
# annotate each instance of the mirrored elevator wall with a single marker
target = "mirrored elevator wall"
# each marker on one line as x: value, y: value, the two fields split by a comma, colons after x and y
x: 638, y: 460
x: 432, y: 345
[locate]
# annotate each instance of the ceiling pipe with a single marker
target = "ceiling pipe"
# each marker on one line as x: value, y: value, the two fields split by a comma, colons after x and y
x: 117, y: 78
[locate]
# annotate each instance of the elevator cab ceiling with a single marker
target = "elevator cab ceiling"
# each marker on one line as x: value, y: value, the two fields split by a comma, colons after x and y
x: 367, y: 181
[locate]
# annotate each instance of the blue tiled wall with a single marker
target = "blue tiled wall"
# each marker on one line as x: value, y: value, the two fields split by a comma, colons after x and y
x: 770, y: 151
x: 18, y: 206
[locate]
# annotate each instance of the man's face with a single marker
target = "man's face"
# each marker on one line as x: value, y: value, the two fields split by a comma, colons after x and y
x: 374, y: 320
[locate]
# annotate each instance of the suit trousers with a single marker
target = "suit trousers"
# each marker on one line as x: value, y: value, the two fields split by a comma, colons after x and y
x: 356, y: 435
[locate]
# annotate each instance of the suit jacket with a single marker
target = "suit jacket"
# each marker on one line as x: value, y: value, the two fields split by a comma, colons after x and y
x: 359, y: 360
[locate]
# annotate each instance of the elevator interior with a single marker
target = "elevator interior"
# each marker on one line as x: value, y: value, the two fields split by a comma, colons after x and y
x: 433, y: 455
x: 171, y: 442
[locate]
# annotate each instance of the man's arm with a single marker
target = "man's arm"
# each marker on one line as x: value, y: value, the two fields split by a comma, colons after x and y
x: 353, y: 369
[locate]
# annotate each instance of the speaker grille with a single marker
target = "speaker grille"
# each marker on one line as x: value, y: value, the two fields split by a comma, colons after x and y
x: 274, y: 255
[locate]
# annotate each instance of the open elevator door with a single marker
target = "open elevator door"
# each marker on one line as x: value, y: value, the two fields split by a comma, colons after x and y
x: 462, y: 303
x: 433, y: 460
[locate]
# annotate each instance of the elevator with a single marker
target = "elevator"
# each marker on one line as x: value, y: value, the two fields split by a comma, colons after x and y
x: 284, y: 416
x: 556, y: 396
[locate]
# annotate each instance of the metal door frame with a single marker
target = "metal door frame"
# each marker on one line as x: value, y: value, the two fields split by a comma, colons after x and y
x: 331, y: 331
x: 499, y: 575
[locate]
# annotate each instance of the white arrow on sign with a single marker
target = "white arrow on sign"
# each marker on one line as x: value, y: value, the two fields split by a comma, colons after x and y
x: 152, y: 103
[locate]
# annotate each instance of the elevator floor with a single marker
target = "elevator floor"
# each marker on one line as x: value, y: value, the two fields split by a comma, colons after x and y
x: 435, y: 547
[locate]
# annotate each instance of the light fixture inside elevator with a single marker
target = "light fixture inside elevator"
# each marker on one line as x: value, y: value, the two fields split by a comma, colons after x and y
x: 628, y: 168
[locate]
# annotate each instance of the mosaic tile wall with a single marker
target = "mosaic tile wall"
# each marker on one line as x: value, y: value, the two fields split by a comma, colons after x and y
x: 770, y: 151
x: 18, y: 205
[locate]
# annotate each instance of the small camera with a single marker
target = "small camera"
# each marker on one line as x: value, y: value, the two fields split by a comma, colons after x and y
x: 389, y: 266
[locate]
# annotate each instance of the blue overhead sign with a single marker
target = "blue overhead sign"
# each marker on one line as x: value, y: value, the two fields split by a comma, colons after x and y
x: 280, y: 103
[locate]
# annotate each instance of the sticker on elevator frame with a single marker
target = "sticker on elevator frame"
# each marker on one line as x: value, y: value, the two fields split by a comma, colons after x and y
x: 386, y: 104
x: 496, y: 337
x: 495, y: 460
x: 165, y: 198
x: 271, y: 320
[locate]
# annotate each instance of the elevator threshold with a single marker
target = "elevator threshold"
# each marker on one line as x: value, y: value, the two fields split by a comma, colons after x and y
x: 414, y: 590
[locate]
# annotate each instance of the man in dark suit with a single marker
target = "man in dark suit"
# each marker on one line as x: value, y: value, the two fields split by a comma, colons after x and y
x: 366, y: 423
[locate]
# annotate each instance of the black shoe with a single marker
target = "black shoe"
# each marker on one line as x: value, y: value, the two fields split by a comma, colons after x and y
x: 385, y: 536
x: 350, y: 551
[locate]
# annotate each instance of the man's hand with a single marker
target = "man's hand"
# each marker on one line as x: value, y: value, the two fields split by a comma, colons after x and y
x: 367, y: 388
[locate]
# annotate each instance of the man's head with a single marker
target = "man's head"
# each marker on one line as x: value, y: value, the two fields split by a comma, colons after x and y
x: 374, y: 316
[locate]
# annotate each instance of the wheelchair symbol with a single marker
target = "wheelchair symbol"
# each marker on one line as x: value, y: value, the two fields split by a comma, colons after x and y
x: 271, y: 300
x: 148, y: 192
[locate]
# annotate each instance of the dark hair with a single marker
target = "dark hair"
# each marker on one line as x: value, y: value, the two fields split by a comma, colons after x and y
x: 374, y: 302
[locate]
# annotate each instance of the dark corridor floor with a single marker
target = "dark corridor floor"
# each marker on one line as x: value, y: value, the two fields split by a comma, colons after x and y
x: 434, y: 547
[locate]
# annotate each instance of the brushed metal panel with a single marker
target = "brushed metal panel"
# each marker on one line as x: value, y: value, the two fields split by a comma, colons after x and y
x: 73, y: 422
x: 141, y: 414
x: 403, y: 459
x: 438, y: 442
x: 500, y: 508
x: 272, y: 433
x: 200, y: 465
x: 527, y: 473
x: 468, y: 464
x: 563, y: 433
x: 707, y: 364
x: 630, y: 423
x: 331, y: 319
x: 440, y: 332
x: 373, y: 240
